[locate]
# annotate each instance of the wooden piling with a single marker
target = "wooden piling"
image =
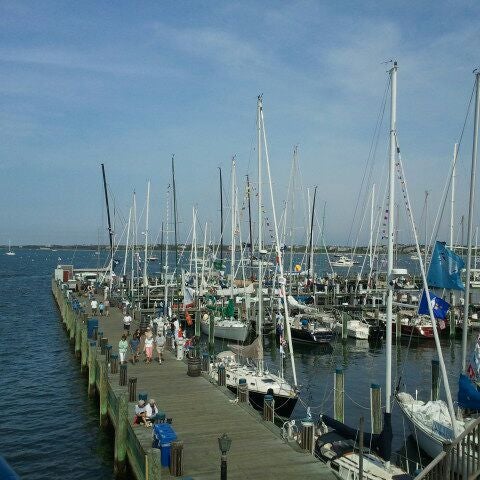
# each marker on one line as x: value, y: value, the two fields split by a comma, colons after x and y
x: 211, y: 335
x: 152, y: 464
x: 121, y: 435
x: 176, y: 459
x: 339, y: 385
x: 84, y: 349
x: 92, y: 357
x: 435, y: 379
x: 344, y: 327
x: 103, y: 392
x: 376, y: 407
x: 78, y: 335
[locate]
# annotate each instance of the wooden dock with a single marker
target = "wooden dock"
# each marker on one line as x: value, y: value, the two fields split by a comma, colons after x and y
x: 201, y: 412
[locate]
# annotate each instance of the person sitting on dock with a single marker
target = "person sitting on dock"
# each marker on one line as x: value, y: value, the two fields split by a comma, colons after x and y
x: 123, y: 348
x: 135, y: 347
x: 160, y: 345
x: 127, y: 321
x: 151, y: 410
x: 94, y: 305
x: 140, y: 413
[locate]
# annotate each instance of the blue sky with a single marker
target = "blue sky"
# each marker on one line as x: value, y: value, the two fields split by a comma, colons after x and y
x: 130, y: 83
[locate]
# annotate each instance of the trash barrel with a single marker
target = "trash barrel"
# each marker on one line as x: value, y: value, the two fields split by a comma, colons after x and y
x: 163, y: 436
x: 194, y: 366
x: 91, y: 324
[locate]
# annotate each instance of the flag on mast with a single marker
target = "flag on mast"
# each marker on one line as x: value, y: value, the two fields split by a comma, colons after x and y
x: 445, y: 268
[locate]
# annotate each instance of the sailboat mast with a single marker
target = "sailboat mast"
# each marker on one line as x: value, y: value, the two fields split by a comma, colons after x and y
x: 371, y: 227
x: 145, y: 278
x: 452, y: 199
x: 221, y: 218
x: 310, y: 258
x: 260, y: 215
x: 470, y: 221
x: 391, y: 236
x: 161, y: 252
x: 250, y: 225
x: 232, y: 264
x: 128, y: 241
x: 174, y: 210
x: 110, y: 232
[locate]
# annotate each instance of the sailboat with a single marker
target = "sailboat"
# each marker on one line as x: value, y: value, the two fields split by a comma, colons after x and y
x: 338, y: 446
x: 10, y: 252
x: 434, y: 423
x: 261, y: 381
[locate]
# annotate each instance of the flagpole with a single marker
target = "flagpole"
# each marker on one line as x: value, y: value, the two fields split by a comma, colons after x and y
x: 470, y: 219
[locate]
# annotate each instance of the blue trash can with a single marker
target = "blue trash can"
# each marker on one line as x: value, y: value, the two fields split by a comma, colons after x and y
x: 163, y: 436
x: 91, y: 324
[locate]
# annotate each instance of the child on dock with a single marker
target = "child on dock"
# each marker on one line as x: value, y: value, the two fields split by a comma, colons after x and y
x: 101, y: 307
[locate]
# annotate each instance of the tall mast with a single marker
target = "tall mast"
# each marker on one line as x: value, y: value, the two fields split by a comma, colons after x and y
x: 145, y: 278
x: 371, y: 227
x: 175, y: 218
x: 165, y: 292
x: 134, y: 243
x: 110, y: 232
x: 470, y: 221
x: 161, y: 252
x: 452, y: 200
x: 426, y: 229
x: 391, y: 236
x: 232, y: 264
x: 310, y: 258
x: 221, y: 218
x: 260, y: 221
x: 250, y: 225
x: 126, y: 245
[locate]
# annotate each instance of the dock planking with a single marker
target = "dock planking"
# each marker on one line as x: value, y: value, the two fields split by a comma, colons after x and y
x: 201, y: 412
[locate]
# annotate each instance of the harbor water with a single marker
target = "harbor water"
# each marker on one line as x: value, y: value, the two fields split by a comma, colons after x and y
x: 49, y: 427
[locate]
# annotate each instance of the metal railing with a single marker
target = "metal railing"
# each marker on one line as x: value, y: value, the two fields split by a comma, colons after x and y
x: 460, y: 460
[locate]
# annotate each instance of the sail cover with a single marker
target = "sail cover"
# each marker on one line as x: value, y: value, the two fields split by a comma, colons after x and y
x: 253, y: 351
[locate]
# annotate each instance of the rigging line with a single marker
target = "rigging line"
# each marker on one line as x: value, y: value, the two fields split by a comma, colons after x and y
x: 440, y: 212
x: 369, y: 156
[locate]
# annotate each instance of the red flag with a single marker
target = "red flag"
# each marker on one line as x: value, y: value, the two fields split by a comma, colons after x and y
x: 188, y: 318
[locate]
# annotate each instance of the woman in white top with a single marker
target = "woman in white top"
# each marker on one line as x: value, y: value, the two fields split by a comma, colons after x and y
x: 148, y: 346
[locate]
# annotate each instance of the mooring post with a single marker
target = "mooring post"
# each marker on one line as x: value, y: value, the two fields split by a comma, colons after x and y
x: 344, y: 327
x: 84, y: 360
x: 435, y: 379
x: 72, y: 325
x: 339, y: 385
x: 108, y: 353
x: 132, y: 389
x: 121, y: 435
x: 103, y: 391
x: 176, y: 459
x: 114, y: 363
x: 122, y: 381
x: 92, y: 357
x: 269, y: 408
x: 78, y: 335
x: 221, y: 377
x: 308, y: 435
x: 242, y: 390
x: 205, y: 362
x: 360, y: 449
x: 376, y: 407
x: 211, y: 335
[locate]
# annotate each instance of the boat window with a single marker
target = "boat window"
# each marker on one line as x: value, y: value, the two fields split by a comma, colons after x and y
x: 334, y: 466
x: 268, y: 380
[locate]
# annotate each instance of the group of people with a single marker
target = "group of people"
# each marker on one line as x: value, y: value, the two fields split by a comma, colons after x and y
x: 149, y: 343
x: 101, y: 307
x: 145, y: 413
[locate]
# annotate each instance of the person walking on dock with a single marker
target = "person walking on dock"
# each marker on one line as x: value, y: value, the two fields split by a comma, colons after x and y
x: 106, y: 304
x: 127, y: 321
x: 160, y: 344
x: 148, y: 345
x: 94, y: 305
x: 101, y: 307
x: 123, y: 348
x: 135, y: 347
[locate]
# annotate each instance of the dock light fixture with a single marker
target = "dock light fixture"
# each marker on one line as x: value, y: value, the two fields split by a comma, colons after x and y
x: 224, y: 444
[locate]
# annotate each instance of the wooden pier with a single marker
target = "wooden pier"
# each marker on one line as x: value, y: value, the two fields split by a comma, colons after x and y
x: 201, y: 412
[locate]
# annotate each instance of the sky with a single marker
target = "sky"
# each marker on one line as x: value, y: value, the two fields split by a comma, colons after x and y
x: 128, y: 84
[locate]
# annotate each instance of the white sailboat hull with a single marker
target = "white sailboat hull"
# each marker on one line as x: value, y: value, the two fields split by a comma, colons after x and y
x: 236, y: 331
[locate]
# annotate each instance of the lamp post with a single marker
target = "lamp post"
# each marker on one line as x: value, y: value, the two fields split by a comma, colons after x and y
x: 224, y: 443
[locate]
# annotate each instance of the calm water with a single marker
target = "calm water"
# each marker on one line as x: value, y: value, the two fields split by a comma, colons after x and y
x: 58, y: 435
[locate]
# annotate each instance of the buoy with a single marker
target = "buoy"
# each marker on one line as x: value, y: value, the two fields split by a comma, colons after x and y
x: 298, y: 268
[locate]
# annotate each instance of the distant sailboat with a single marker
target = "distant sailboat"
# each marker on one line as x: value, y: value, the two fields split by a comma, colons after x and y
x: 9, y: 249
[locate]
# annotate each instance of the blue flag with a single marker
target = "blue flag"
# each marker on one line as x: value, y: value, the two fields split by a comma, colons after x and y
x: 439, y: 306
x: 445, y: 268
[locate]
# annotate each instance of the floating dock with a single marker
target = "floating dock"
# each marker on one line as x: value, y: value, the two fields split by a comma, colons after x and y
x: 201, y: 412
